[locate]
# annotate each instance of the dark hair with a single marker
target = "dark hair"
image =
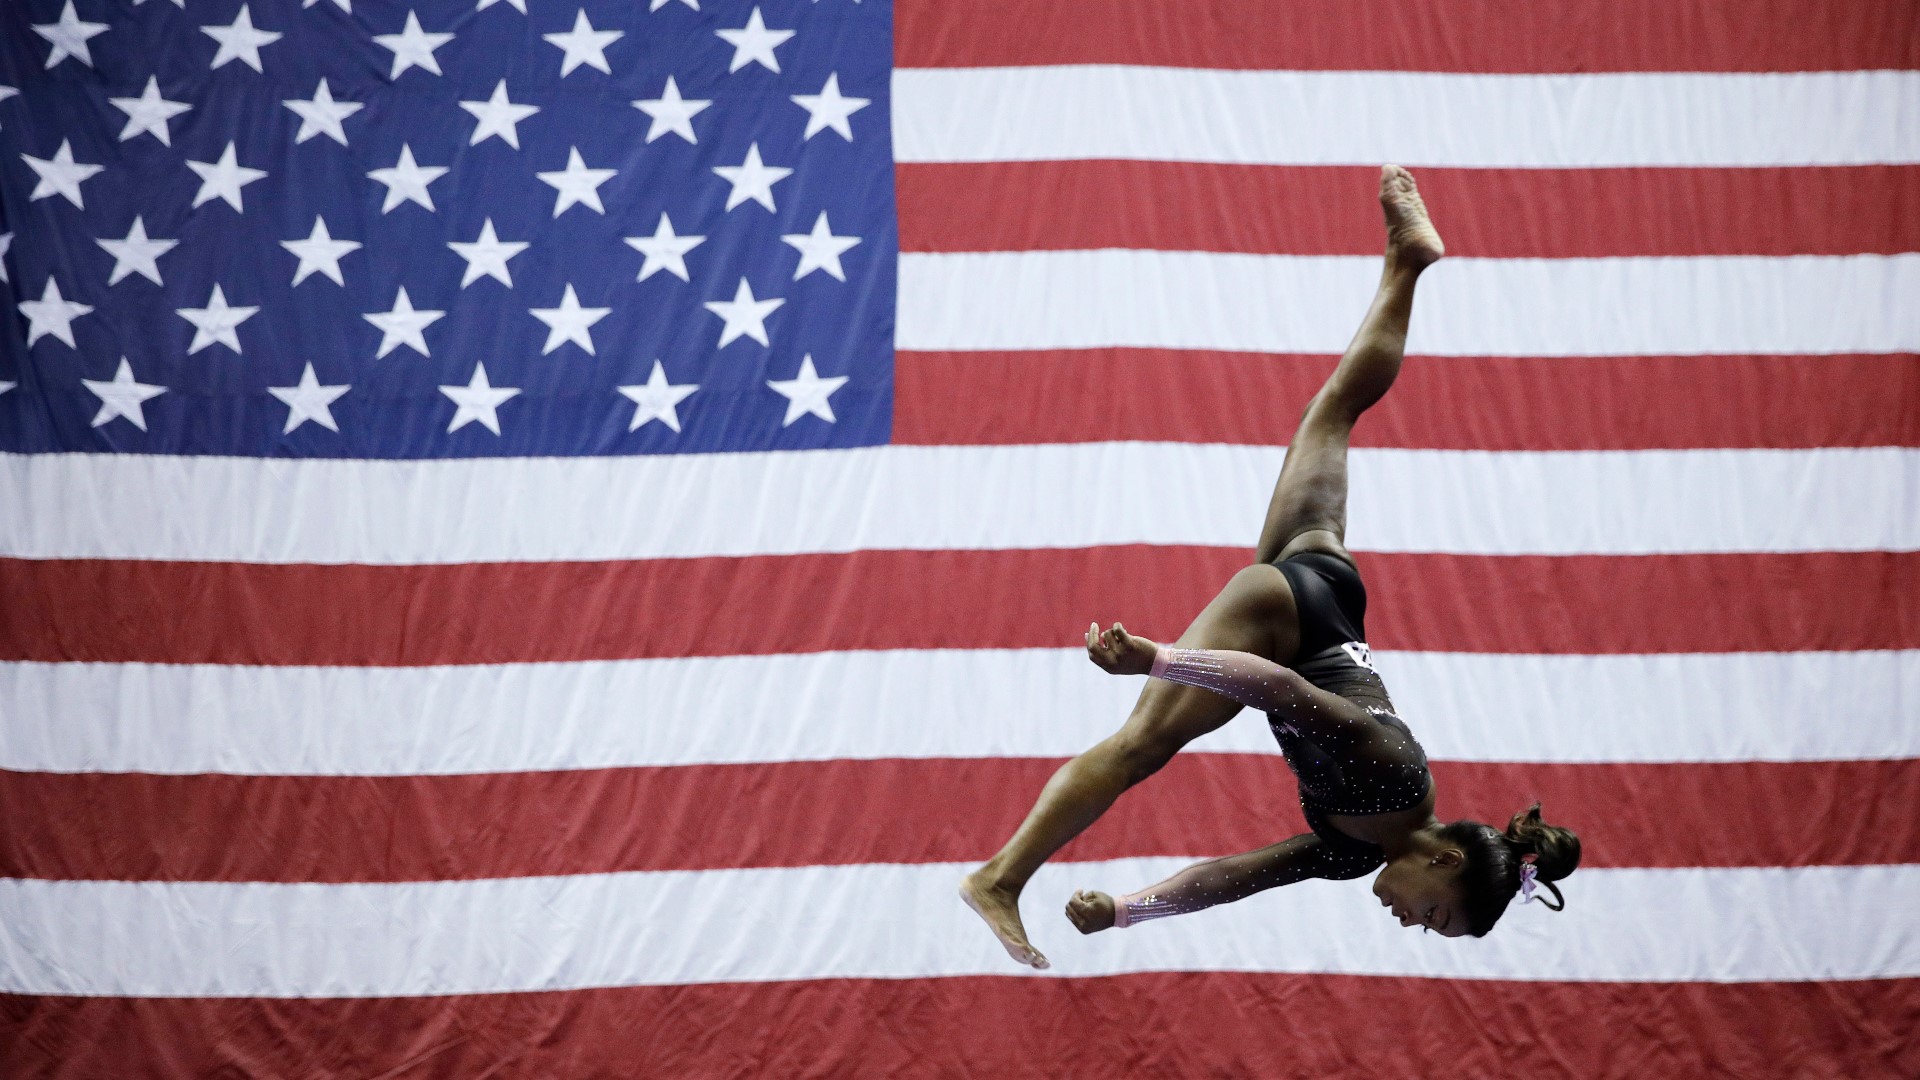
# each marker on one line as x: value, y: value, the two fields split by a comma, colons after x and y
x: 1491, y: 874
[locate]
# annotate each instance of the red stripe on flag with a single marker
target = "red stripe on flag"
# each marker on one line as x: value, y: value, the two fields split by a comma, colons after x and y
x: 1164, y: 1023
x: 1426, y: 35
x: 142, y: 827
x: 1486, y: 213
x: 222, y: 613
x: 1518, y: 403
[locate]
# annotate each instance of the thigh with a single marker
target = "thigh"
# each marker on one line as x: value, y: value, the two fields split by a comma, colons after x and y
x: 1308, y: 511
x: 1254, y: 613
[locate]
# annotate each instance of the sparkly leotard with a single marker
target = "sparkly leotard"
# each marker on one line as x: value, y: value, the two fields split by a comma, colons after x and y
x: 1384, y: 771
x: 1350, y: 770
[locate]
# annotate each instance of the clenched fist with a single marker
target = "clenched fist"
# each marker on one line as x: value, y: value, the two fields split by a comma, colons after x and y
x: 1119, y: 652
x: 1090, y: 912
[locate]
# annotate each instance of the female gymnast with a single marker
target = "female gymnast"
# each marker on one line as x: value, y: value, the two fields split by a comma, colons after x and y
x: 1286, y: 636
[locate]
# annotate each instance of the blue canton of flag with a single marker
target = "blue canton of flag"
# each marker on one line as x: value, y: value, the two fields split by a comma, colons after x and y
x: 357, y: 228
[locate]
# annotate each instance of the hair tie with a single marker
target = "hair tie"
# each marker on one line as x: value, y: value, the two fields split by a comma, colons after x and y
x: 1528, y: 873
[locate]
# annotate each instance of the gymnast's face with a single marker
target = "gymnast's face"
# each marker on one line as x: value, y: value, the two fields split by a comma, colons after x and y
x: 1423, y: 890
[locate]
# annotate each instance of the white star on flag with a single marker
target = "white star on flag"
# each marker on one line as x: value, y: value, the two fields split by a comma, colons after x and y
x: 6, y: 243
x: 319, y: 253
x: 223, y: 179
x: 308, y: 400
x: 217, y: 323
x: 69, y: 36
x: 656, y: 5
x: 60, y: 174
x: 6, y: 385
x: 7, y: 92
x: 52, y: 314
x: 807, y: 393
x: 148, y: 113
x: 820, y: 249
x: 487, y: 256
x: 122, y: 396
x: 577, y: 184
x: 498, y: 116
x: 569, y: 322
x: 671, y: 113
x: 828, y: 109
x: 518, y: 5
x: 407, y: 180
x: 584, y: 45
x: 136, y: 254
x: 656, y: 399
x: 664, y: 250
x: 744, y: 315
x: 403, y: 325
x: 239, y: 40
x: 754, y: 43
x: 477, y: 401
x: 343, y: 5
x: 412, y: 47
x: 321, y: 115
x: 752, y: 179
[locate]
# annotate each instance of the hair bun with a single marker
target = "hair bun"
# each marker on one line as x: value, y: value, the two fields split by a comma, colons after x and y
x: 1556, y: 850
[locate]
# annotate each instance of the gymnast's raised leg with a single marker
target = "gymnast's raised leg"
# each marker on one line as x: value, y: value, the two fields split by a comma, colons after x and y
x: 1255, y: 611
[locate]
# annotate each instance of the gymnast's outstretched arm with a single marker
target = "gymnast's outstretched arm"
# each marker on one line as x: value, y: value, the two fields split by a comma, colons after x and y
x: 1202, y: 885
x: 1251, y: 680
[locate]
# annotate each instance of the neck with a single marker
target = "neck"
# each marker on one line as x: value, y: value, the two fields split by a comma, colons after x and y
x: 1421, y: 838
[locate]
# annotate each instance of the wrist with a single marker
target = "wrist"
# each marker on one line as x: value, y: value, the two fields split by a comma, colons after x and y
x: 1162, y: 655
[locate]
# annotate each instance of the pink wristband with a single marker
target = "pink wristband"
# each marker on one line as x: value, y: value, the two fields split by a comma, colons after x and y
x: 1162, y: 656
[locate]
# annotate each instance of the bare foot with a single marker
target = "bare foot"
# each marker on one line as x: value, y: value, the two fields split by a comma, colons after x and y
x: 1411, y: 237
x: 1001, y: 910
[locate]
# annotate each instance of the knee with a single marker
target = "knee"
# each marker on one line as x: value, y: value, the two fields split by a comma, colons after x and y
x: 1140, y: 756
x: 1336, y: 405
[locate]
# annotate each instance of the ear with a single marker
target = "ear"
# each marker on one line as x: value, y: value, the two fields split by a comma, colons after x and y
x: 1449, y: 857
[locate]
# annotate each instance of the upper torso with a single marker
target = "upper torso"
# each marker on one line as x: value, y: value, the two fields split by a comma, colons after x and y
x: 1359, y: 788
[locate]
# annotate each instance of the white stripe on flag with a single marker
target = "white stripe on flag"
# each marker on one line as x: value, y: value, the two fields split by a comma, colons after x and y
x: 449, y: 937
x: 295, y: 721
x: 1369, y: 117
x: 1467, y: 307
x: 926, y: 498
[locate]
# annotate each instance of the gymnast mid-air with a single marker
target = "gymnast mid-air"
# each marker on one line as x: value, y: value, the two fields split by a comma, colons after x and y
x: 1286, y: 636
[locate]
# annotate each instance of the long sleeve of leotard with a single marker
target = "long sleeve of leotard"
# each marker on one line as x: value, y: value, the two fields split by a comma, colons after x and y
x: 1221, y: 881
x: 1246, y: 678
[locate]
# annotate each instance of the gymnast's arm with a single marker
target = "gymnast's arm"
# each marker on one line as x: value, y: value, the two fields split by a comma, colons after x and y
x: 1203, y: 885
x: 1244, y: 677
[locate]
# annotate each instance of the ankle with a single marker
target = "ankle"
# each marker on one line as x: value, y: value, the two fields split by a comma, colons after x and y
x: 1406, y: 263
x: 998, y: 879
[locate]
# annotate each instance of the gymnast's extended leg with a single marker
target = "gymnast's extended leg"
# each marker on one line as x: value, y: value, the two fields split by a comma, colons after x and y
x: 1254, y: 613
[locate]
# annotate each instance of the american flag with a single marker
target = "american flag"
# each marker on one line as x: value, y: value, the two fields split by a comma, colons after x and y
x: 541, y: 537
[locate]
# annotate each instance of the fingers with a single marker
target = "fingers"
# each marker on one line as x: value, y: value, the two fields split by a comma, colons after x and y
x: 1077, y: 910
x: 1100, y: 649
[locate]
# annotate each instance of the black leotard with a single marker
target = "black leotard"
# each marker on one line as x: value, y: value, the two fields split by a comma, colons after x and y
x: 1380, y: 772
